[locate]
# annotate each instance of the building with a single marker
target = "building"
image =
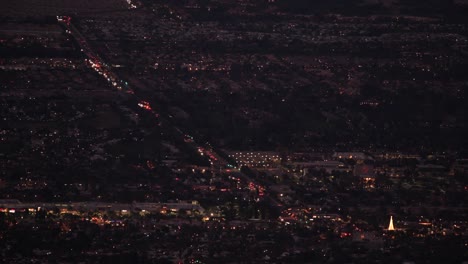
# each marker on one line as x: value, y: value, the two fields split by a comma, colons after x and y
x: 263, y: 159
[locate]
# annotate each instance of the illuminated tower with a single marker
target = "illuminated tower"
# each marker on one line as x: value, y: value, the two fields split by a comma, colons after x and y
x: 390, y: 226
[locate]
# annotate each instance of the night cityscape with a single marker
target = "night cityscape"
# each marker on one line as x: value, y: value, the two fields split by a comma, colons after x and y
x: 234, y: 131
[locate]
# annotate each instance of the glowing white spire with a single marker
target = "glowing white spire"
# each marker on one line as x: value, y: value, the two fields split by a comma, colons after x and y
x: 390, y: 226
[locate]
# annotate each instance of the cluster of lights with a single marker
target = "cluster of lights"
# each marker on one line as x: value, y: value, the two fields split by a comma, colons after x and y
x: 210, y: 155
x: 347, y: 234
x: 145, y: 105
x: 254, y: 187
x: 188, y: 138
x: 97, y: 66
x: 255, y: 159
x: 201, y: 151
x: 369, y: 103
x: 64, y: 19
x: 131, y: 5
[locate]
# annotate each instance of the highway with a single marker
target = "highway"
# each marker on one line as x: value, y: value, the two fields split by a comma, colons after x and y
x: 8, y: 205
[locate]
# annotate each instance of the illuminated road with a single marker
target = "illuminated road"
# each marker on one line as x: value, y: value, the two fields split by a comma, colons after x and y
x: 6, y: 205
